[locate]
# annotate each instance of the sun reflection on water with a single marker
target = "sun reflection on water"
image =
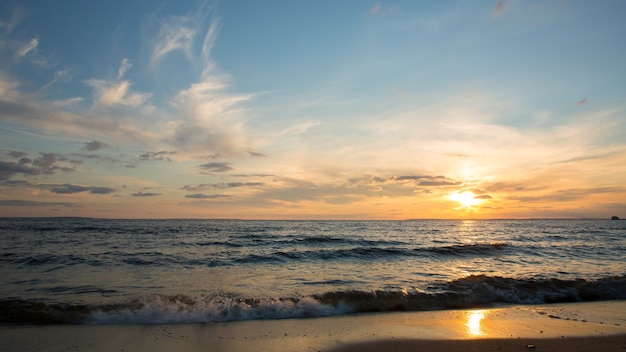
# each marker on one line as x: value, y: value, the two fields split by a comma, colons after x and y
x: 474, y: 319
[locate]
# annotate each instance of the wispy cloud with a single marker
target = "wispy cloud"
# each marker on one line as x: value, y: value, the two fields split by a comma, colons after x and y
x: 66, y: 102
x: 175, y: 34
x: 28, y: 47
x: 500, y: 8
x: 207, y: 186
x: 375, y: 9
x: 117, y: 92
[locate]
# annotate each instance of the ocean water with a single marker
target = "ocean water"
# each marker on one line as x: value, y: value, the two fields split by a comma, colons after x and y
x: 97, y: 271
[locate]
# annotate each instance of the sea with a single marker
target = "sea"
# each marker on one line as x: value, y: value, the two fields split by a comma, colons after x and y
x: 103, y: 271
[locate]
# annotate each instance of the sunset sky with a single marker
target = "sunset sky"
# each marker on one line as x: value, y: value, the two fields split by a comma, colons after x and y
x: 313, y: 109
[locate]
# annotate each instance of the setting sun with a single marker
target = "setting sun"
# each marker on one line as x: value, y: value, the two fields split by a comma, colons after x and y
x: 466, y: 198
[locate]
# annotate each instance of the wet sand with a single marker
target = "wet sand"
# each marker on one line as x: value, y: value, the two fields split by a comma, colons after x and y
x: 599, y: 326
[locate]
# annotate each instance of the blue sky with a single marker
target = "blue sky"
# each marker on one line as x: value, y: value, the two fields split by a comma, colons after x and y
x: 293, y: 109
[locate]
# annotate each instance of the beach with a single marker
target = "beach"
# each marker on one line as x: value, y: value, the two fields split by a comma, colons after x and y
x: 594, y: 326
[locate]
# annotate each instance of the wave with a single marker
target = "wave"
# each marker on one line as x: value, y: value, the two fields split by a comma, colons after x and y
x: 286, y: 255
x: 469, y: 292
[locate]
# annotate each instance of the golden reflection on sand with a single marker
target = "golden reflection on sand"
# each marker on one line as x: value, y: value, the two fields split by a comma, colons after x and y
x: 474, y: 319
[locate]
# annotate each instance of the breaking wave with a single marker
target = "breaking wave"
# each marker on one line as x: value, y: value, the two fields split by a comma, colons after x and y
x: 469, y: 292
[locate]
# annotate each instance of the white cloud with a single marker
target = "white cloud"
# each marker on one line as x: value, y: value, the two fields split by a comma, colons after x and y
x: 173, y: 35
x: 124, y: 66
x: 66, y: 102
x: 28, y: 47
x: 110, y: 93
x: 58, y: 75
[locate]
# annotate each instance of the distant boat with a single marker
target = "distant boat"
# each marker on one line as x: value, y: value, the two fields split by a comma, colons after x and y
x: 614, y: 217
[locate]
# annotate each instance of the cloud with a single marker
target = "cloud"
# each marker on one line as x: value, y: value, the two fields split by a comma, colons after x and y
x: 207, y: 196
x: 161, y: 155
x: 145, y: 194
x: 68, y: 189
x: 66, y: 102
x: 205, y: 186
x: 94, y: 156
x: 209, y: 121
x: 47, y: 163
x: 58, y: 75
x: 216, y: 167
x: 101, y: 190
x: 27, y: 203
x: 16, y: 154
x: 500, y: 8
x: 111, y: 93
x: 568, y: 195
x: 28, y: 47
x: 125, y: 65
x: 71, y: 189
x: 375, y: 9
x: 25, y: 110
x: 418, y: 180
x: 176, y: 33
x: 256, y: 154
x: 582, y: 101
x: 95, y: 145
x: 9, y: 169
x: 209, y: 114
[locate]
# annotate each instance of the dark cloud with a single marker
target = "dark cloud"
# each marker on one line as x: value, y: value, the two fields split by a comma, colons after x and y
x: 145, y: 194
x: 17, y: 154
x: 9, y: 169
x: 47, y: 160
x: 206, y: 196
x: 24, y: 161
x: 47, y: 163
x: 70, y: 189
x: 27, y: 203
x: 15, y: 183
x: 95, y: 145
x: 205, y: 186
x: 101, y: 190
x: 581, y: 102
x: 216, y: 167
x: 256, y: 154
x: 161, y: 155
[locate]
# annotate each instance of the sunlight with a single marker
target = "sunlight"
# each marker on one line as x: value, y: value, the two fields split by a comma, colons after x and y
x: 473, y: 322
x: 466, y: 198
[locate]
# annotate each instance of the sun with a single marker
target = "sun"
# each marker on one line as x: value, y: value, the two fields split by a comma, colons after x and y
x: 466, y: 198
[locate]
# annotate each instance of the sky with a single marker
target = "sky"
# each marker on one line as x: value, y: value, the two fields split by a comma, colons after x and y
x: 242, y: 109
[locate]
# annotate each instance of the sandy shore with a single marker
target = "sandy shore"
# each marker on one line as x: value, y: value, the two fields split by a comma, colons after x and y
x: 599, y: 326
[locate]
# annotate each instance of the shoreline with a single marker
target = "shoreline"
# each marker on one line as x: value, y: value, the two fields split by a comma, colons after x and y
x: 555, y: 327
